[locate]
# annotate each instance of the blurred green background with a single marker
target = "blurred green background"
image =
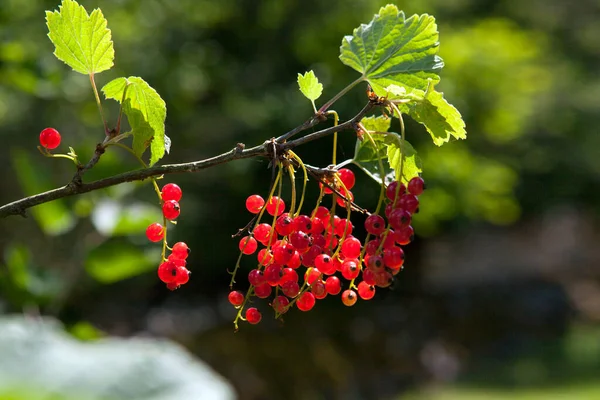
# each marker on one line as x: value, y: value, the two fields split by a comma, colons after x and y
x: 500, y: 297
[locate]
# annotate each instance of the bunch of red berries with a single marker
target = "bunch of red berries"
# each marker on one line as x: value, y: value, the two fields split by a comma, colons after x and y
x: 172, y: 270
x: 305, y: 258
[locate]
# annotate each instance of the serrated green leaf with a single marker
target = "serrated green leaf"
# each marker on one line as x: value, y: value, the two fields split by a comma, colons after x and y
x: 441, y: 118
x: 393, y: 50
x: 310, y: 86
x: 367, y: 156
x: 411, y: 166
x: 380, y: 123
x: 82, y: 41
x: 146, y: 112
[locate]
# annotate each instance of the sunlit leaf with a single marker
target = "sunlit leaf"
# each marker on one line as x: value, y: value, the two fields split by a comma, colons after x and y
x: 379, y: 123
x: 310, y: 86
x: 146, y: 113
x: 410, y: 166
x: 82, y: 40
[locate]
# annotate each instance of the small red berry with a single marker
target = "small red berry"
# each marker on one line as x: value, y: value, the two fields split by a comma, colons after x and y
x: 180, y: 251
x: 409, y: 202
x: 322, y: 213
x: 262, y: 291
x: 265, y: 257
x: 183, y: 276
x: 275, y: 206
x: 302, y: 223
x: 343, y: 226
x: 253, y: 316
x: 256, y: 277
x: 404, y: 235
x: 347, y: 177
x: 171, y: 192
x: 172, y: 286
x: 349, y: 297
x: 312, y: 275
x: 342, y: 201
x: 273, y: 274
x: 295, y: 261
x: 171, y: 209
x: 50, y: 138
x: 306, y: 301
x: 365, y: 291
x: 368, y: 277
x: 300, y: 241
x: 236, y: 298
x: 351, y: 247
x: 350, y: 269
x: 375, y: 263
x: 288, y: 274
x: 325, y: 264
x: 155, y: 232
x: 393, y: 257
x: 390, y: 192
x: 416, y: 185
x: 290, y: 288
x: 254, y: 203
x: 248, y: 245
x: 283, y: 253
x: 399, y: 218
x: 333, y: 285
x: 318, y: 289
x: 375, y: 224
x: 167, y: 272
x: 284, y: 224
x: 280, y: 304
x: 262, y: 232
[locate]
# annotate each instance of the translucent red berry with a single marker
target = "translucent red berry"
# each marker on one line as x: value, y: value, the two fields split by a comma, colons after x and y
x: 375, y: 263
x: 311, y: 275
x: 284, y: 224
x: 254, y: 203
x: 325, y: 264
x: 262, y: 232
x: 180, y: 250
x: 333, y: 285
x: 300, y: 241
x: 253, y: 316
x: 404, y: 235
x: 322, y: 213
x: 375, y: 224
x: 262, y: 291
x: 350, y: 269
x: 349, y: 297
x: 182, y: 276
x: 236, y: 298
x: 306, y: 301
x: 383, y: 279
x: 171, y: 209
x: 248, y: 245
x: 280, y: 304
x: 290, y: 288
x: 265, y: 257
x: 256, y: 277
x: 302, y: 223
x: 409, y: 202
x: 368, y: 276
x: 393, y: 257
x: 390, y: 192
x: 349, y: 196
x: 343, y: 227
x: 171, y: 192
x: 167, y: 272
x: 351, y: 247
x: 365, y: 291
x: 275, y: 206
x: 318, y: 289
x: 155, y: 232
x: 50, y: 138
x: 416, y: 185
x: 283, y: 253
x: 177, y: 261
x: 295, y: 261
x: 273, y: 274
x: 308, y: 258
x: 317, y: 226
x: 288, y: 274
x: 399, y: 218
x: 347, y: 177
x: 372, y: 246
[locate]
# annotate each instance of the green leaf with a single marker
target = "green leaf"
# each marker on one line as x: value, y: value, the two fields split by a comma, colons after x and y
x: 393, y: 50
x: 411, y: 166
x: 441, y: 118
x: 380, y: 123
x: 310, y: 86
x: 82, y: 41
x: 367, y: 155
x: 54, y: 218
x: 146, y: 112
x: 116, y: 260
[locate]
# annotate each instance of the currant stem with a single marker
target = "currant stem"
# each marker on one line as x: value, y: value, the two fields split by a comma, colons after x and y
x: 299, y: 160
x: 335, y: 135
x: 335, y: 98
x: 292, y: 175
x: 93, y: 82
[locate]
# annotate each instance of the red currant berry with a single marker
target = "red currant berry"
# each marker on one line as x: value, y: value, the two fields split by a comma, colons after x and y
x: 171, y: 209
x: 265, y: 257
x: 390, y: 239
x: 295, y: 261
x: 351, y: 247
x: 254, y: 203
x: 343, y: 226
x: 319, y: 240
x: 171, y: 192
x: 180, y: 250
x: 383, y: 279
x: 317, y: 226
x: 393, y: 257
x: 390, y: 192
x: 172, y: 286
x: 416, y: 185
x: 308, y: 258
x: 349, y: 297
x: 280, y: 304
x: 50, y: 138
x: 409, y: 202
x: 284, y: 224
x: 290, y: 289
x: 262, y: 291
x: 302, y: 223
x: 300, y: 241
x: 312, y: 275
x: 288, y: 274
x: 155, y: 232
x: 325, y: 264
x: 183, y: 276
x: 275, y: 206
x: 256, y: 277
x: 248, y: 245
x: 322, y: 213
x: 399, y: 218
x: 342, y: 202
x: 372, y: 246
x: 253, y: 316
x: 404, y: 235
x: 177, y: 261
x: 236, y: 298
x: 262, y: 232
x: 283, y: 253
x: 350, y: 269
x: 318, y: 289
x: 347, y: 178
x: 273, y: 274
x: 365, y: 291
x: 375, y: 224
x: 306, y: 301
x: 167, y: 272
x: 375, y: 263
x: 333, y: 285
x: 368, y: 277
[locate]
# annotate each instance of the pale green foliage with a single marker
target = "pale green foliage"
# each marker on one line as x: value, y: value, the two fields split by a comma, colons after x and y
x: 441, y: 118
x: 82, y: 41
x: 411, y: 166
x: 380, y: 123
x: 310, y: 86
x: 146, y: 112
x: 393, y: 50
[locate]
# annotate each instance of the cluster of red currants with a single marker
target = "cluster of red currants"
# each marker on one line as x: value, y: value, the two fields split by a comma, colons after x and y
x: 323, y: 244
x: 172, y: 271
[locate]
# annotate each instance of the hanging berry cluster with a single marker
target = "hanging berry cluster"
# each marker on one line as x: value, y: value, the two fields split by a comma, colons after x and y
x: 172, y: 270
x: 306, y: 257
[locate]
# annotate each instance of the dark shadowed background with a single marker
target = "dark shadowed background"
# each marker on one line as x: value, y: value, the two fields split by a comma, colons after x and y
x: 500, y: 296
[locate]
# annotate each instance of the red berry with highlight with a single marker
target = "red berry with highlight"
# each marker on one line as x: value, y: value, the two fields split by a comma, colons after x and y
x: 290, y: 288
x: 333, y: 285
x: 155, y: 232
x: 351, y: 247
x: 236, y: 298
x: 350, y: 269
x: 253, y: 316
x: 390, y: 192
x: 375, y: 224
x: 342, y: 201
x: 262, y: 291
x: 404, y: 235
x: 182, y: 276
x: 256, y: 277
x: 284, y: 224
x: 318, y: 289
x: 349, y: 297
x: 180, y: 250
x: 254, y: 203
x: 306, y: 301
x: 167, y: 272
x: 171, y: 192
x: 248, y: 245
x: 171, y: 209
x: 275, y: 206
x: 416, y: 185
x: 325, y: 264
x: 365, y: 291
x: 50, y: 138
x: 347, y: 177
x: 280, y: 304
